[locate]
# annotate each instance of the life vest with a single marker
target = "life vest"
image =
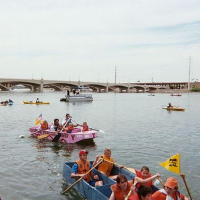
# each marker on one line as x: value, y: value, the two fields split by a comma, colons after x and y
x: 83, y: 168
x: 134, y: 196
x: 175, y: 196
x: 85, y: 128
x: 106, y: 167
x: 139, y: 174
x: 44, y: 127
x: 119, y: 195
x: 69, y: 129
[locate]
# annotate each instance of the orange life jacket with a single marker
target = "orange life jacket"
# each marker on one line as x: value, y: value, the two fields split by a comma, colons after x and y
x: 83, y: 168
x: 139, y: 174
x: 69, y: 129
x: 106, y: 167
x: 118, y: 193
x: 44, y: 127
x: 85, y: 128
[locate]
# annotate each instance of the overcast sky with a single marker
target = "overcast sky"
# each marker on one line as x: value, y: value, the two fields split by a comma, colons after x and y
x: 145, y: 40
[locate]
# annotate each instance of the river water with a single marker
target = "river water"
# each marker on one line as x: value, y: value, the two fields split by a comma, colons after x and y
x: 137, y: 129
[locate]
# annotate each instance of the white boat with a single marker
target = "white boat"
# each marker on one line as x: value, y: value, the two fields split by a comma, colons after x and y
x: 77, y: 98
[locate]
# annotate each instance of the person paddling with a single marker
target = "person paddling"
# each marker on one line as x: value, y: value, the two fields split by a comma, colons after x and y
x: 170, y: 105
x: 81, y: 167
x: 55, y: 125
x: 144, y: 177
x: 121, y: 189
x: 68, y: 120
x: 170, y: 191
x: 107, y: 165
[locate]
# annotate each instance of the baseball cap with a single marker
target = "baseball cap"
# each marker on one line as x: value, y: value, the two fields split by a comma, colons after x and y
x: 83, y: 152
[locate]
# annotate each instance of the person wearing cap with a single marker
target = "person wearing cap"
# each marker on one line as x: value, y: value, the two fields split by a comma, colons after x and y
x: 81, y: 167
x: 170, y: 191
x: 107, y: 165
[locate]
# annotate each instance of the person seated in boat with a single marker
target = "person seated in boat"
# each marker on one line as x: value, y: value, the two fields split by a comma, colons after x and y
x: 170, y: 191
x: 70, y: 128
x: 121, y: 189
x: 37, y: 100
x: 55, y: 125
x: 142, y: 193
x: 170, y: 105
x: 144, y: 177
x: 68, y: 120
x: 107, y: 165
x: 81, y: 167
x: 10, y: 101
x: 44, y: 125
x: 85, y: 127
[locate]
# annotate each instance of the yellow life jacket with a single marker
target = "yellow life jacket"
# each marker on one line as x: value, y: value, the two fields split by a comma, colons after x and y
x: 106, y: 167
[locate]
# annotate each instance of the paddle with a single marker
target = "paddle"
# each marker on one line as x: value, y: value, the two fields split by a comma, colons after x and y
x: 82, y: 177
x: 101, y: 131
x: 127, y: 168
x: 48, y: 134
x: 186, y: 185
x: 58, y: 135
x: 45, y: 135
x: 126, y: 198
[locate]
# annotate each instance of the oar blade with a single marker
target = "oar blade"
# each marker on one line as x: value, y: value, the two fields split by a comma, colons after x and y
x: 130, y: 170
x: 43, y: 136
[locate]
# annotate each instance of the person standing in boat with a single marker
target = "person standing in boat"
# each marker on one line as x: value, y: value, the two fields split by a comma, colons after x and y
x: 55, y: 125
x: 107, y: 165
x: 81, y: 167
x: 170, y: 191
x: 121, y: 189
x: 68, y: 120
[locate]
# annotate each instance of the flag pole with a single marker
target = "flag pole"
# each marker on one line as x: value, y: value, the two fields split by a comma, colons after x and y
x: 186, y: 185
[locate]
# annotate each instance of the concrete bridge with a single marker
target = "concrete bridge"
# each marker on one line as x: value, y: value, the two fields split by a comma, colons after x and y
x: 7, y: 84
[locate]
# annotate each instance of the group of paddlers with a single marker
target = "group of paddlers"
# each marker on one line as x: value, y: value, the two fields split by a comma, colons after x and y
x: 67, y: 125
x: 140, y: 188
x: 6, y: 102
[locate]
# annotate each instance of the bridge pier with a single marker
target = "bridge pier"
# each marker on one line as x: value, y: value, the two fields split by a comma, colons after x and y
x: 41, y: 85
x: 128, y: 90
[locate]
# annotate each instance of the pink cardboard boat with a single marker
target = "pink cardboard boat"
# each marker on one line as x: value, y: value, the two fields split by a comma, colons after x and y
x: 76, y: 136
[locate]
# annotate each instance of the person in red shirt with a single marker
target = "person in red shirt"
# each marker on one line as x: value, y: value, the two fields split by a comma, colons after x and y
x: 170, y: 191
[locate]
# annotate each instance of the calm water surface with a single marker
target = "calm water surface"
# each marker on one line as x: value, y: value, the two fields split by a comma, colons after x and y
x: 137, y: 129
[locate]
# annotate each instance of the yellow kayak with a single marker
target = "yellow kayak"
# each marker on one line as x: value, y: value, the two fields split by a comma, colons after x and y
x: 174, y: 108
x: 38, y: 103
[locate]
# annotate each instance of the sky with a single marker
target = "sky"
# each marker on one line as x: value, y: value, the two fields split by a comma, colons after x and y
x: 92, y: 40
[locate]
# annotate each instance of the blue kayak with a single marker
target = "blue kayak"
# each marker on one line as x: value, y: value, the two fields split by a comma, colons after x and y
x: 89, y: 192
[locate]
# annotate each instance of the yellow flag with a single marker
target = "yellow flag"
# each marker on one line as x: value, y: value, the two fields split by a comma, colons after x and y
x: 38, y: 120
x: 172, y: 164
